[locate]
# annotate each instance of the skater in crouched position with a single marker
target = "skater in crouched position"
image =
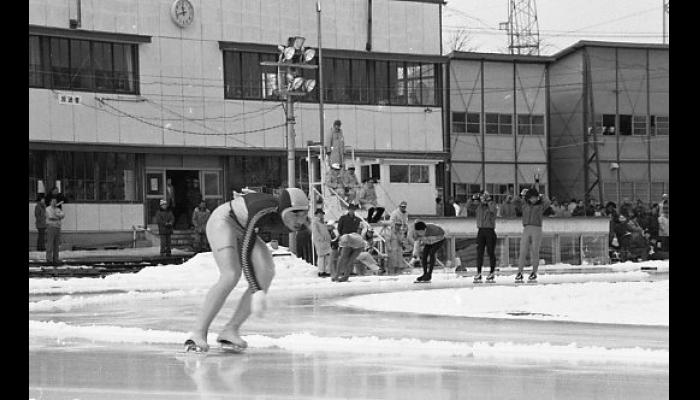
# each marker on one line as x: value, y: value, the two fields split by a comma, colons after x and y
x: 486, y: 236
x: 431, y: 237
x: 533, y: 210
x: 237, y: 250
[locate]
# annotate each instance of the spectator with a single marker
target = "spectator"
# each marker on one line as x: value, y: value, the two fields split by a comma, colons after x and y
x: 579, y: 210
x: 508, y: 208
x: 572, y: 206
x: 165, y: 220
x: 663, y: 206
x: 337, y: 144
x: 625, y: 206
x: 599, y: 211
x: 590, y: 208
x: 431, y: 237
x: 335, y: 238
x: 351, y: 185
x: 40, y: 222
x: 394, y: 236
x: 54, y: 215
x: 55, y: 194
x: 439, y: 211
x: 304, y: 248
x: 322, y: 242
x: 450, y: 210
x: 486, y: 235
x: 368, y: 201
x: 663, y: 231
x: 333, y: 178
x: 558, y: 209
x: 350, y: 243
x: 533, y: 209
x: 463, y: 209
x: 170, y: 194
x: 200, y: 216
x: 194, y: 198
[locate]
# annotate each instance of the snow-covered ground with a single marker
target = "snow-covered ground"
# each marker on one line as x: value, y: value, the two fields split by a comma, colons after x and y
x: 624, y: 296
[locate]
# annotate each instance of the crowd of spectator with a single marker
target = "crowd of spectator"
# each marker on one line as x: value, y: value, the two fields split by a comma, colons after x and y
x: 639, y: 231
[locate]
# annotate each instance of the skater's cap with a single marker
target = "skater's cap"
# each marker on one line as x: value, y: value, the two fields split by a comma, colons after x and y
x: 292, y: 199
x: 352, y: 206
x: 337, y: 122
x: 319, y: 211
x: 403, y: 204
x: 163, y: 202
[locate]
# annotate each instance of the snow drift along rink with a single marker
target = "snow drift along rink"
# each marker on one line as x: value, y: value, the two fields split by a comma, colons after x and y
x: 304, y: 342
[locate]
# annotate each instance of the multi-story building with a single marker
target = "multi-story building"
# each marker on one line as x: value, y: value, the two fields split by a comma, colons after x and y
x: 498, y: 131
x: 128, y: 95
x: 622, y: 91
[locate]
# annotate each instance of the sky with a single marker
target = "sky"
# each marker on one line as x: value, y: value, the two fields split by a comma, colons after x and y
x: 561, y: 22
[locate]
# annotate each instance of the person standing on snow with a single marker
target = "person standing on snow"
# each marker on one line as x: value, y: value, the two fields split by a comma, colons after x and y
x: 431, y: 237
x: 165, y: 220
x: 40, y: 222
x: 322, y: 242
x: 486, y: 236
x: 533, y: 208
x: 237, y: 249
x: 54, y: 215
x: 200, y: 216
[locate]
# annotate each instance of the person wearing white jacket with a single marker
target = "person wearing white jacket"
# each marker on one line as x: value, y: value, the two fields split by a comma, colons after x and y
x: 54, y: 215
x: 322, y: 244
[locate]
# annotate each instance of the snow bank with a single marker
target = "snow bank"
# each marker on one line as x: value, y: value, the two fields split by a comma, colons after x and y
x: 636, y: 303
x: 305, y: 342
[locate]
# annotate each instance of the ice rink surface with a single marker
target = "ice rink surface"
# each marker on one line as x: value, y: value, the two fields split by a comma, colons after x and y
x: 103, y: 342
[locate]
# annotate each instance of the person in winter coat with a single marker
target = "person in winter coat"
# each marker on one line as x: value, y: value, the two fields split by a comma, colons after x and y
x: 322, y: 242
x: 431, y: 237
x: 55, y: 194
x: 165, y: 220
x: 350, y: 184
x: 200, y: 216
x: 337, y: 144
x: 663, y: 231
x: 40, y: 222
x: 54, y: 215
x: 486, y: 236
x: 368, y: 201
x: 194, y: 198
x: 532, y: 212
x: 333, y: 178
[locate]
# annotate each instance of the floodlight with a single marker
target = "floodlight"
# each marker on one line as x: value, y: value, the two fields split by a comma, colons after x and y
x: 309, y: 54
x: 309, y: 85
x: 288, y: 53
x: 297, y: 83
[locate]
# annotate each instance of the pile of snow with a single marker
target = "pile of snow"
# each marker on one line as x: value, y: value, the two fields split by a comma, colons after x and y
x: 305, y: 342
x: 636, y: 303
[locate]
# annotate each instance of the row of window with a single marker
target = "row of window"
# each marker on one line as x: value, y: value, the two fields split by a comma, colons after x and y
x: 84, y: 176
x: 344, y: 80
x: 409, y: 174
x: 497, y: 124
x: 632, y: 125
x: 635, y: 190
x: 59, y: 63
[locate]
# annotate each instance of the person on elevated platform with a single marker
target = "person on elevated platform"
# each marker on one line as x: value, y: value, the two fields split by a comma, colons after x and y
x: 337, y: 144
x: 333, y: 178
x: 350, y: 184
x: 368, y: 201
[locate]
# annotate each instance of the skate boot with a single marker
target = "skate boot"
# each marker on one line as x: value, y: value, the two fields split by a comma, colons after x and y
x: 477, y: 278
x: 491, y: 278
x: 420, y: 279
x: 532, y: 278
x: 519, y: 278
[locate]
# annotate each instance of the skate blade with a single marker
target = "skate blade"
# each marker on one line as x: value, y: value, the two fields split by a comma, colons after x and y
x: 230, y: 347
x: 192, y: 348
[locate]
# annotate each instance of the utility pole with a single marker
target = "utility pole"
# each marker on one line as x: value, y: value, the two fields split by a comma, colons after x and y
x: 293, y: 59
x: 321, y: 119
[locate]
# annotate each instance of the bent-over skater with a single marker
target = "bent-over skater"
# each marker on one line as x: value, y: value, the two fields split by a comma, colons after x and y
x: 431, y: 237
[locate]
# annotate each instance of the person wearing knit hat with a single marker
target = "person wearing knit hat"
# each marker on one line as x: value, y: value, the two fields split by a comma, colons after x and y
x: 165, y: 220
x: 533, y: 206
x: 237, y: 249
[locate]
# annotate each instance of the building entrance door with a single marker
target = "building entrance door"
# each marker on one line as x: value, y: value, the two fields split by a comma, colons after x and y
x: 187, y: 194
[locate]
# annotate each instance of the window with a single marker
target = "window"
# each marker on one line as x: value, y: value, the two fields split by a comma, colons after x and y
x: 459, y: 123
x: 398, y: 173
x: 499, y: 191
x: 639, y: 125
x: 463, y: 191
x: 473, y: 123
x: 359, y: 88
x: 530, y: 124
x: 380, y: 83
x: 491, y: 123
x: 428, y: 85
x: 625, y: 125
x: 341, y: 81
x: 36, y: 174
x: 662, y: 125
x: 608, y: 124
x: 413, y: 83
x: 505, y: 124
x: 397, y: 83
x: 86, y: 65
x: 369, y: 171
x: 419, y: 174
x: 409, y: 174
x: 268, y: 77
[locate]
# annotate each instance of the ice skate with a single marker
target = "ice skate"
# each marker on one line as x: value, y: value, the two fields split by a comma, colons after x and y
x: 491, y: 278
x: 532, y: 278
x: 420, y: 279
x: 477, y: 278
x: 519, y: 277
x: 192, y: 346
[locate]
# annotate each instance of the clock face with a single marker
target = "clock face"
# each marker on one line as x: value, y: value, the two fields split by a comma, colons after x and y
x: 182, y: 12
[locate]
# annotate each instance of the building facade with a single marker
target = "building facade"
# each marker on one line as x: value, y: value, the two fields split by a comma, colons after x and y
x: 124, y: 101
x: 622, y: 91
x: 498, y: 132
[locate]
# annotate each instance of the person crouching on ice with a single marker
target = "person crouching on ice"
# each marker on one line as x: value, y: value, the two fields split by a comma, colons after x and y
x: 237, y: 250
x: 431, y: 237
x: 533, y: 210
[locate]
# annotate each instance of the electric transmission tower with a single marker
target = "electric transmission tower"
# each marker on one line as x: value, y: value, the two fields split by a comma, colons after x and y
x: 522, y: 27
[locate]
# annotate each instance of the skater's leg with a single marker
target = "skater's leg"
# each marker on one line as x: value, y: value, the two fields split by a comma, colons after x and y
x: 264, y: 269
x: 480, y: 244
x: 424, y: 260
x: 524, y: 239
x: 432, y: 252
x: 162, y: 244
x: 343, y: 257
x: 536, y: 241
x: 491, y: 250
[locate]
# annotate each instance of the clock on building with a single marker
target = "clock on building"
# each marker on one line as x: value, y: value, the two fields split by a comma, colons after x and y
x: 182, y: 12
